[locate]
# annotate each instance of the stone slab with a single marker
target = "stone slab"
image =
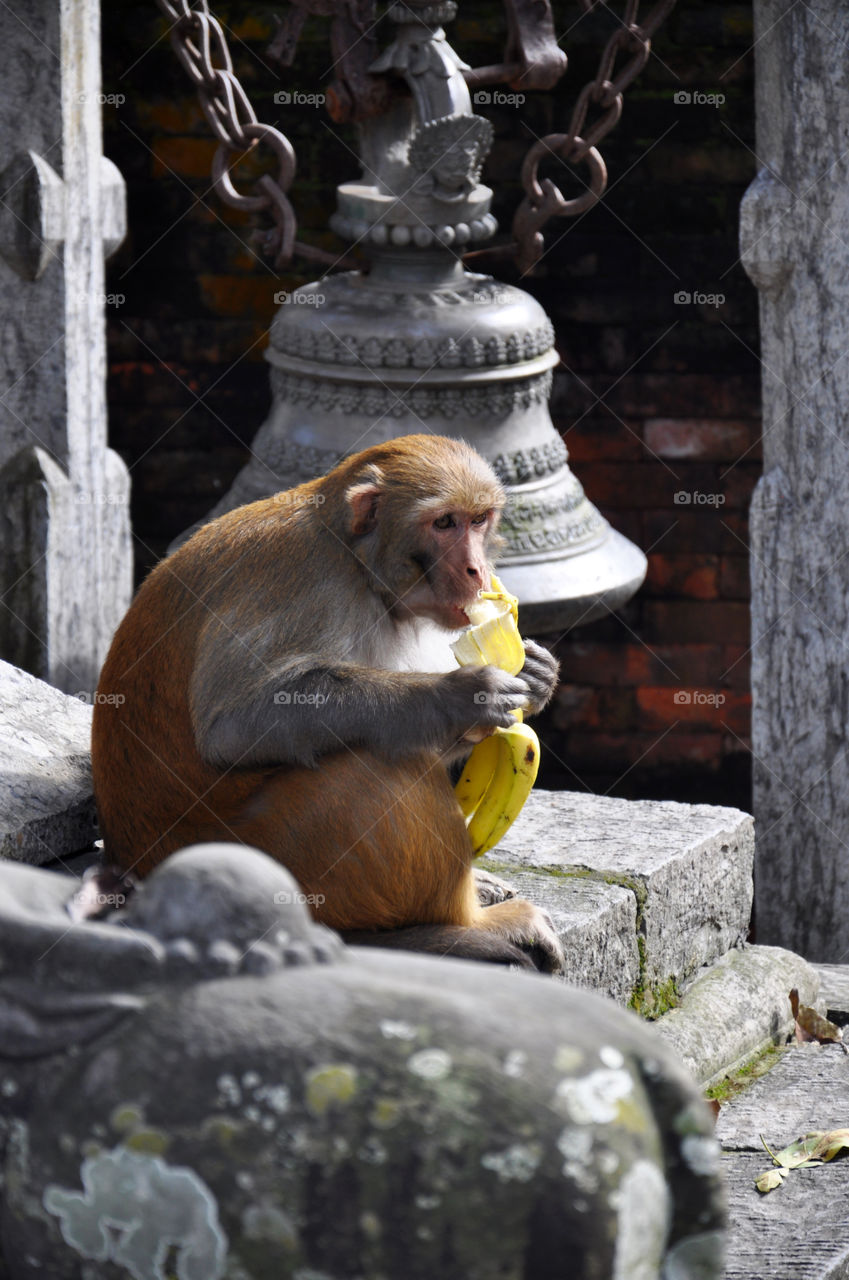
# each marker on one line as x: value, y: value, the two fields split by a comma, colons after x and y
x: 736, y: 1009
x: 689, y: 867
x: 834, y: 991
x: 801, y: 1230
x: 46, y: 802
x: 596, y: 923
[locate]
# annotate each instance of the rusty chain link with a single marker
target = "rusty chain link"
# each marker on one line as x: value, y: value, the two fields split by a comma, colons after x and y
x: 543, y: 199
x: 201, y: 46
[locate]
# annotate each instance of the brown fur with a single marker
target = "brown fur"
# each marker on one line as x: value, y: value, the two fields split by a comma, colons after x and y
x: 187, y: 741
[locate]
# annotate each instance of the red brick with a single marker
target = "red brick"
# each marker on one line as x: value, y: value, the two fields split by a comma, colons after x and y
x: 629, y: 664
x: 574, y: 703
x: 715, y: 439
x: 186, y: 157
x: 241, y: 296
x: 734, y: 582
x: 649, y: 484
x: 643, y: 751
x: 734, y: 533
x: 604, y: 439
x: 713, y: 707
x: 676, y: 622
x: 696, y: 577
x: 736, y: 666
x: 682, y: 528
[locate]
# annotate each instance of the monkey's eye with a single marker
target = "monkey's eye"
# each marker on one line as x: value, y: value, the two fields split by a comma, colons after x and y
x: 480, y: 519
x: 444, y: 522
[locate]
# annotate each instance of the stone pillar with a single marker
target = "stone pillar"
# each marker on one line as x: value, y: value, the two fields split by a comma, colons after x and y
x: 65, y: 553
x: 795, y: 246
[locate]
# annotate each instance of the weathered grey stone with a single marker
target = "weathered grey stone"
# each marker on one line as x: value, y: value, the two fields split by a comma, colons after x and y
x: 596, y: 923
x: 65, y: 553
x: 834, y: 992
x: 342, y: 1112
x: 806, y: 1089
x: 737, y: 1008
x: 801, y: 1230
x: 46, y: 802
x: 794, y: 233
x: 688, y: 866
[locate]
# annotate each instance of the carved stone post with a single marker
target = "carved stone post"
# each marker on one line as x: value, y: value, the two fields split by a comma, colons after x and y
x: 65, y: 554
x: 795, y: 247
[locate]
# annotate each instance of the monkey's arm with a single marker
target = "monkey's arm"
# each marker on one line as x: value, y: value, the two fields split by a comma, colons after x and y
x: 540, y: 673
x: 249, y: 713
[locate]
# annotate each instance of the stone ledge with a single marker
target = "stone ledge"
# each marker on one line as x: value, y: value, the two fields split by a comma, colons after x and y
x: 596, y: 923
x: 46, y: 802
x: 736, y: 1009
x: 801, y: 1229
x: 688, y: 867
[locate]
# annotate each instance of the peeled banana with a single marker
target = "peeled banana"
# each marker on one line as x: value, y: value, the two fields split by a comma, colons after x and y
x: 501, y: 770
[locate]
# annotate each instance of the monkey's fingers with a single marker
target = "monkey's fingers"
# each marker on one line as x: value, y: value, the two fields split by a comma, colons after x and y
x: 541, y: 673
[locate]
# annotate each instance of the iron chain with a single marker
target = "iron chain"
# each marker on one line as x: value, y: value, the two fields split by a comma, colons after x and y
x: 543, y: 199
x: 201, y: 46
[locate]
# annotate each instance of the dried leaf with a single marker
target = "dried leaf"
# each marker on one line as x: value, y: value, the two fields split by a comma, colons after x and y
x: 831, y: 1144
x: 770, y: 1180
x: 811, y: 1025
x: 814, y: 1149
x: 799, y: 1153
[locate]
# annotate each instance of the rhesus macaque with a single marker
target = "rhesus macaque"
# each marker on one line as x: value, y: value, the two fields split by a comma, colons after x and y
x: 285, y: 681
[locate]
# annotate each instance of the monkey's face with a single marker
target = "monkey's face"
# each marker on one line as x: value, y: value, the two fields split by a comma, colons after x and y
x: 447, y: 564
x: 422, y: 517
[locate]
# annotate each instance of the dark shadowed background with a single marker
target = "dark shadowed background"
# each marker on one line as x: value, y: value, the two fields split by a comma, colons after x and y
x: 656, y: 397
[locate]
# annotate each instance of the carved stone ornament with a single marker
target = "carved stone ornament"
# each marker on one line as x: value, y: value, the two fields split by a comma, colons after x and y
x: 208, y: 1085
x: 448, y: 156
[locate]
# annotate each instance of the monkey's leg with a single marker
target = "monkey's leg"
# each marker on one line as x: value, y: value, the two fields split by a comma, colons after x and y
x: 380, y: 847
x: 521, y: 923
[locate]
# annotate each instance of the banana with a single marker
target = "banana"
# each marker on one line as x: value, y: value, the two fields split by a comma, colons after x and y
x: 504, y: 788
x: 501, y: 770
x: 477, y: 773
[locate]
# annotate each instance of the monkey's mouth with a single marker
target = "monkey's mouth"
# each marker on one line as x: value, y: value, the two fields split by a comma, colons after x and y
x: 457, y: 617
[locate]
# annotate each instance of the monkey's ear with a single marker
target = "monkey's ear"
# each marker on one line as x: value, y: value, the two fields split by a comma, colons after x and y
x: 363, y: 500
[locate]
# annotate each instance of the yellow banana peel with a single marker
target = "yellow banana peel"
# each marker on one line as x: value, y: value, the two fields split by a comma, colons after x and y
x: 500, y: 772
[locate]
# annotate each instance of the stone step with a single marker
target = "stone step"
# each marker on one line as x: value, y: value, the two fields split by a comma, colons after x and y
x: 644, y: 893
x: 737, y: 1008
x: 46, y: 803
x: 801, y: 1230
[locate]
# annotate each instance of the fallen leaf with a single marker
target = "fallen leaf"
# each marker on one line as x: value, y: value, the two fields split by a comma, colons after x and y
x: 770, y: 1180
x: 831, y: 1144
x: 813, y: 1149
x: 811, y: 1025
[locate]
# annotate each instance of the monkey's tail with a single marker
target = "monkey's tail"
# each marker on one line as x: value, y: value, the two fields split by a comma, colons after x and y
x: 445, y: 940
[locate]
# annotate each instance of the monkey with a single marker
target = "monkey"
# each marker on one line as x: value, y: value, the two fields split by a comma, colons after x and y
x: 283, y: 680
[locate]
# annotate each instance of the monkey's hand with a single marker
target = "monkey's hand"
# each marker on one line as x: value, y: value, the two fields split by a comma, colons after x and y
x: 540, y: 674
x: 476, y: 700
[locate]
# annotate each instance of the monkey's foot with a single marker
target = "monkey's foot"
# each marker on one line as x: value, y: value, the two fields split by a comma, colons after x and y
x: 491, y: 888
x: 542, y: 944
x: 528, y: 927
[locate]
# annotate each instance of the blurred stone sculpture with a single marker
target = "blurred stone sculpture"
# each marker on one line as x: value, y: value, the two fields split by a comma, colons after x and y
x: 206, y: 1084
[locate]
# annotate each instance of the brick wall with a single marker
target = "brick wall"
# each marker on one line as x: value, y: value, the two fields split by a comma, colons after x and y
x: 657, y: 398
